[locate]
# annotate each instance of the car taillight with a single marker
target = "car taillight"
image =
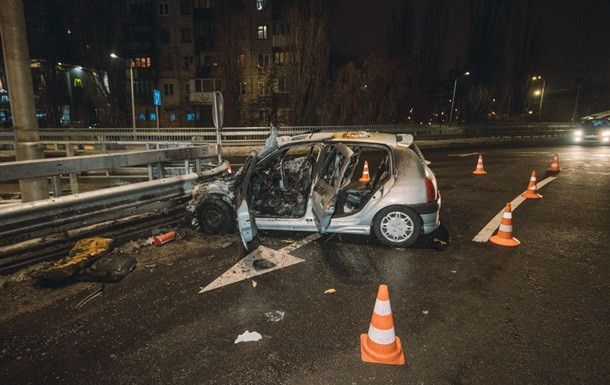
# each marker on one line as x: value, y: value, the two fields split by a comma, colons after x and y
x: 430, y: 190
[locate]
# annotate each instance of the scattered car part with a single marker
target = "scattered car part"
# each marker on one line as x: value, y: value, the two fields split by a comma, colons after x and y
x: 110, y: 268
x: 88, y: 298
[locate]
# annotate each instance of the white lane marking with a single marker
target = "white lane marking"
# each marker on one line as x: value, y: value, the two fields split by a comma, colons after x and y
x: 463, y: 155
x: 245, y: 269
x: 488, y: 230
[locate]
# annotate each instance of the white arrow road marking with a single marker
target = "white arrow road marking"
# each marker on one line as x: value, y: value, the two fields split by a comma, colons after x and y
x: 245, y: 269
x: 463, y: 155
x: 488, y: 230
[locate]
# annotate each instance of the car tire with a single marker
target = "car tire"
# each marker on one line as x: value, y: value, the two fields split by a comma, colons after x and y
x: 397, y: 226
x: 217, y: 217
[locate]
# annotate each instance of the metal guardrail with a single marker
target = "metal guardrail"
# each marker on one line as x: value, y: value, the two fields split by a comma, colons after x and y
x: 47, y: 223
x: 55, y: 168
x: 257, y: 135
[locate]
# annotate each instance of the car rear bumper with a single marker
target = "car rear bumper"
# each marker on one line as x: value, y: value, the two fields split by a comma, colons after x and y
x: 430, y: 214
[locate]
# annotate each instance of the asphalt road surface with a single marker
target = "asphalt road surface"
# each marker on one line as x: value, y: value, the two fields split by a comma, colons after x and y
x: 475, y: 313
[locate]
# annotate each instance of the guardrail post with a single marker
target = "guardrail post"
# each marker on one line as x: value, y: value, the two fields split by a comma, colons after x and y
x: 159, y: 167
x: 197, y: 165
x: 73, y: 179
x: 56, y: 180
x: 186, y: 167
x: 150, y: 169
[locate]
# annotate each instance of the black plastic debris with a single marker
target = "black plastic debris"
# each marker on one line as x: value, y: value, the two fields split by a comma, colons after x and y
x: 110, y: 268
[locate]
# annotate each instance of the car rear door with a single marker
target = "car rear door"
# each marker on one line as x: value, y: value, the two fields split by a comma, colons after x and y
x: 334, y: 162
x: 245, y: 221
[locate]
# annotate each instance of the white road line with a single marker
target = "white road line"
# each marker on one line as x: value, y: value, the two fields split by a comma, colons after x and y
x: 245, y: 269
x: 488, y: 230
x: 463, y: 155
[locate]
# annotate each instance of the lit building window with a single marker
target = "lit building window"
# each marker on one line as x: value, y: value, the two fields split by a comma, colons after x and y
x: 262, y: 32
x: 140, y: 62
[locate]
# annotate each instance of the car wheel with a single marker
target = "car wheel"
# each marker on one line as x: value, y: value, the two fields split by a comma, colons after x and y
x: 217, y: 217
x: 397, y: 226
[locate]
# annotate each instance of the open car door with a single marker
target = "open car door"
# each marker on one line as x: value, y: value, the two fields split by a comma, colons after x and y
x: 329, y: 178
x: 245, y: 221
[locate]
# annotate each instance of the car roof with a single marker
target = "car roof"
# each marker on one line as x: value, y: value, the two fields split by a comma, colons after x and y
x: 599, y: 115
x: 349, y: 136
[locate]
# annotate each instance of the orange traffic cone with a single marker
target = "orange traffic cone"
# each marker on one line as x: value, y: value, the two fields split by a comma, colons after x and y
x: 532, y: 189
x: 504, y: 237
x: 365, y: 173
x: 479, y: 170
x: 555, y: 164
x: 380, y: 345
x: 229, y: 169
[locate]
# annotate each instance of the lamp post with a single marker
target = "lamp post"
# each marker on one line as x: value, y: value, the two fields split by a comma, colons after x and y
x: 453, y: 97
x: 540, y: 92
x: 133, y: 105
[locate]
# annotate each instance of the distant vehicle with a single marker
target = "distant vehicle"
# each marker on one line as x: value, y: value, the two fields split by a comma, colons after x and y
x: 307, y: 183
x: 594, y: 129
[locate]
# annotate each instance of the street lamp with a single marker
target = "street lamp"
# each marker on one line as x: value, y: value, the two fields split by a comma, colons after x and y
x: 540, y: 92
x: 453, y: 98
x: 133, y: 105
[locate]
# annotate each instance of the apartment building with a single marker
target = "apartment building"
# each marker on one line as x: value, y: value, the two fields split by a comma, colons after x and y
x: 176, y: 46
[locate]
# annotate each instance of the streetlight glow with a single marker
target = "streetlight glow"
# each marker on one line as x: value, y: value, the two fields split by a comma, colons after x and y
x: 537, y: 92
x: 133, y: 106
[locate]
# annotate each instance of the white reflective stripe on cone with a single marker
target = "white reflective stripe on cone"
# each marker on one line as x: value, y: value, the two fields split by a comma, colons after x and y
x: 507, y: 215
x: 382, y: 307
x: 506, y: 228
x: 381, y: 337
x: 533, y: 179
x: 533, y: 187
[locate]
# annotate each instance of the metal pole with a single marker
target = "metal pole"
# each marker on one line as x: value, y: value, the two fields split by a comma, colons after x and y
x: 133, y: 104
x: 452, y: 101
x: 576, y: 104
x: 157, y: 115
x: 541, y: 98
x: 21, y: 92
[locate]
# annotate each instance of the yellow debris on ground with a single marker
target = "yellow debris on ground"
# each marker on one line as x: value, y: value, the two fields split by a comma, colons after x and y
x: 83, y: 252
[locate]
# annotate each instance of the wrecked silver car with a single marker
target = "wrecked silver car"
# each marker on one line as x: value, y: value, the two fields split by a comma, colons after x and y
x: 311, y: 182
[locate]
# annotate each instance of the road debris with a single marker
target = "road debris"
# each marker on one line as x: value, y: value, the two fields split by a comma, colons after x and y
x: 82, y: 253
x: 425, y: 312
x: 164, y: 238
x: 248, y: 337
x: 109, y: 268
x: 254, y: 283
x: 329, y: 291
x: 274, y: 316
x: 88, y: 298
x: 454, y: 271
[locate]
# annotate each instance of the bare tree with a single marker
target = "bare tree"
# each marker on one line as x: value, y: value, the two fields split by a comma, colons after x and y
x: 228, y: 48
x: 524, y: 48
x: 371, y: 93
x: 308, y: 49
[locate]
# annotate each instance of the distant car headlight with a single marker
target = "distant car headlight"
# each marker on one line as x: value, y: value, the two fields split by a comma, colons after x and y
x: 578, y: 133
x: 606, y: 133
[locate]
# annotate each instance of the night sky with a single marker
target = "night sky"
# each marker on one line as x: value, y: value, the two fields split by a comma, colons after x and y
x: 575, y: 36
